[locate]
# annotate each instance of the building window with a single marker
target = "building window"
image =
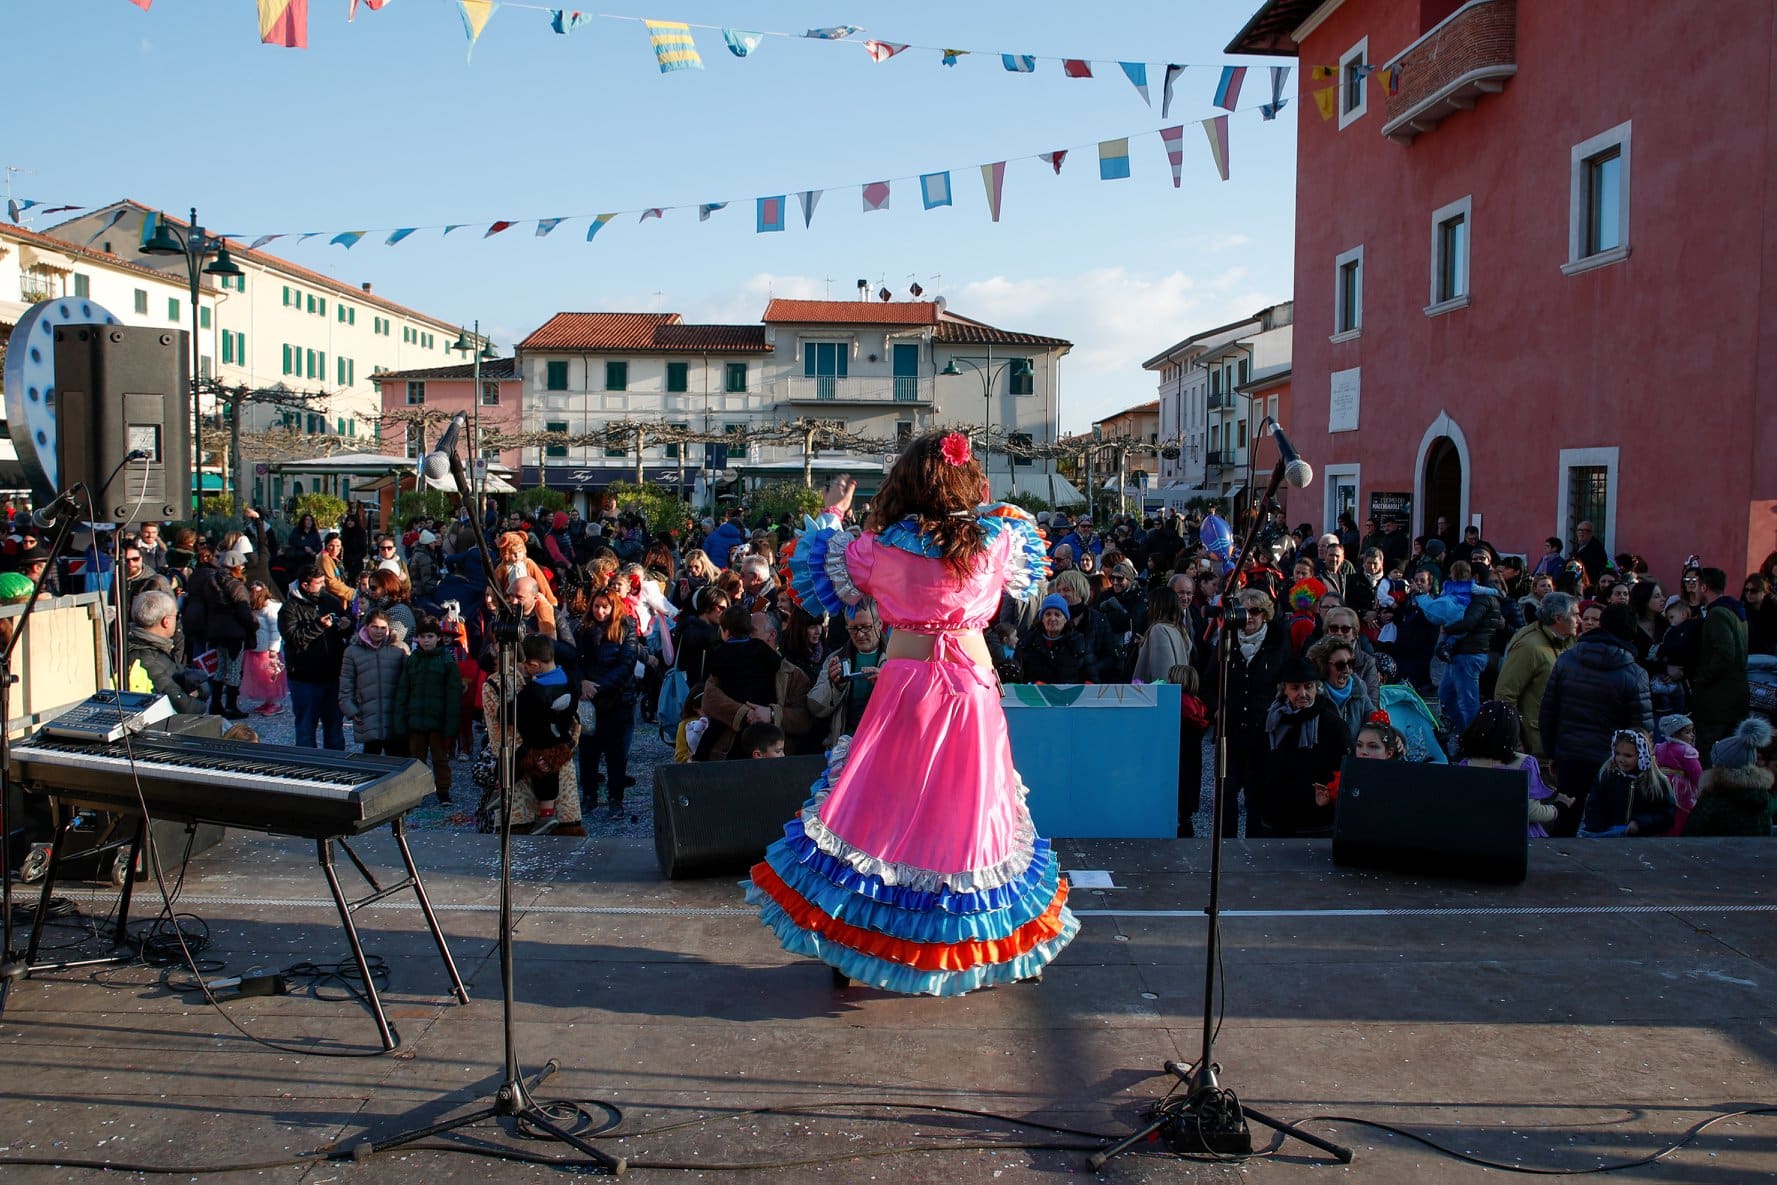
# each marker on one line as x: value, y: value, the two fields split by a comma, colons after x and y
x: 826, y: 363
x: 903, y: 434
x: 1598, y: 201
x: 555, y: 376
x: 203, y: 366
x: 737, y: 376
x: 173, y: 308
x: 416, y: 394
x: 1354, y: 86
x: 83, y: 284
x: 203, y: 317
x: 1348, y: 293
x: 671, y: 451
x: 616, y: 376
x: 1020, y: 441
x: 413, y: 440
x: 1449, y: 256
x: 555, y: 450
x: 1588, y: 490
x: 678, y: 377
x: 490, y: 394
x: 1023, y: 377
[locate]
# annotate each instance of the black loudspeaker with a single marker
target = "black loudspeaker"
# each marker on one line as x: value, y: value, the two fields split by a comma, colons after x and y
x: 121, y: 388
x: 1448, y: 820
x: 717, y: 817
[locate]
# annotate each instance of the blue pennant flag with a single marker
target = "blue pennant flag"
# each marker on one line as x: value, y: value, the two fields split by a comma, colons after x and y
x: 1019, y: 63
x: 564, y: 21
x: 740, y: 42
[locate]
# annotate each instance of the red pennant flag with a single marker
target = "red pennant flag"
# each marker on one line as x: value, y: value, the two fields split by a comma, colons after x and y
x: 1055, y: 158
x: 1076, y: 68
x: 142, y: 4
x: 285, y: 23
x: 496, y: 228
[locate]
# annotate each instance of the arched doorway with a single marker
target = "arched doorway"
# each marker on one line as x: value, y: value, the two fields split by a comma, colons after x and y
x: 1442, y: 483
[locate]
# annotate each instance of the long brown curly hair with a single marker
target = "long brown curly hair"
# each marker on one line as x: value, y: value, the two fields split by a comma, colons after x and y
x: 939, y: 496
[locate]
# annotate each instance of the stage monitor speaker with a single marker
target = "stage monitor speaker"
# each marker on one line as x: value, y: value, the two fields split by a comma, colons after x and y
x: 121, y: 388
x: 1449, y: 820
x: 712, y: 818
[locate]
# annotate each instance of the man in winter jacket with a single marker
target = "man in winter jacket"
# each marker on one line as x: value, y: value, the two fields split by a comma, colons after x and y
x: 1302, y: 744
x: 315, y: 628
x: 1720, y: 697
x: 154, y: 619
x: 1530, y: 658
x: 1595, y: 688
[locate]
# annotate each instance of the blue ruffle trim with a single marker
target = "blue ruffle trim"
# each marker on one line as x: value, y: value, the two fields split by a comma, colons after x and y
x: 797, y: 848
x: 895, y: 977
x: 807, y: 569
x: 915, y: 925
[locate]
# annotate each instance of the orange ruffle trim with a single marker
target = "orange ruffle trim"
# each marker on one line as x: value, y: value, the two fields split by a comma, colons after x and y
x: 922, y: 956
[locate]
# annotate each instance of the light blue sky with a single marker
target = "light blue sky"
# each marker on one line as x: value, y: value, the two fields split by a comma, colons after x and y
x: 382, y: 123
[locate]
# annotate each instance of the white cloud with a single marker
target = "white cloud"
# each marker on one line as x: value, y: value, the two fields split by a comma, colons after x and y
x: 745, y: 305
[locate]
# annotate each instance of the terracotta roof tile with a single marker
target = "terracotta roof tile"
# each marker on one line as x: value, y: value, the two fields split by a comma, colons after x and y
x: 496, y: 370
x: 851, y: 312
x: 51, y: 243
x: 643, y: 333
x: 956, y: 330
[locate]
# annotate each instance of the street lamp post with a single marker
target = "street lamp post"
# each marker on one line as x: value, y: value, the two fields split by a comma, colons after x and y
x: 989, y: 374
x: 466, y: 344
x: 196, y: 245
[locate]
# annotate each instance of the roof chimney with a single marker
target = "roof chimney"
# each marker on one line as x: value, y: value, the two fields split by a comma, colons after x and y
x: 365, y: 285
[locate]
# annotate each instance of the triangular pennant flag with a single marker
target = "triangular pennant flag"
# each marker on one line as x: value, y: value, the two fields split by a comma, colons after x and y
x: 1327, y: 99
x: 352, y: 14
x: 740, y: 42
x: 1217, y: 131
x: 934, y: 189
x: 1137, y: 73
x: 116, y: 217
x: 704, y: 211
x: 565, y: 22
x: 313, y: 234
x: 1076, y: 68
x: 15, y: 207
x: 1174, y: 139
x: 1055, y: 158
x: 809, y: 199
x: 347, y: 239
x: 496, y: 228
x: 652, y: 212
x: 399, y: 235
x: 768, y: 214
x: 834, y: 33
x: 1113, y: 159
x: 1391, y: 78
x: 876, y: 196
x: 673, y: 47
x: 1228, y: 89
x: 597, y: 225
x: 285, y: 23
x: 1323, y: 73
x: 993, y: 177
x: 150, y: 223
x: 1172, y: 76
x: 476, y: 15
x: 142, y: 4
x: 61, y: 209
x: 1363, y: 70
x: 1019, y: 63
x: 1279, y: 78
x: 951, y: 55
x: 545, y: 225
x: 882, y: 51
x: 453, y: 226
x: 262, y: 240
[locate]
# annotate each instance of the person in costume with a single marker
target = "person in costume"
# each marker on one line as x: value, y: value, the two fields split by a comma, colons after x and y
x: 914, y: 865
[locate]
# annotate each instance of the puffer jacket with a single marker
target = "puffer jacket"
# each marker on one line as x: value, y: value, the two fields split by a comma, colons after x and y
x: 1595, y: 688
x: 611, y: 665
x: 228, y: 611
x: 429, y: 697
x: 1719, y: 692
x: 369, y: 680
x: 1253, y: 685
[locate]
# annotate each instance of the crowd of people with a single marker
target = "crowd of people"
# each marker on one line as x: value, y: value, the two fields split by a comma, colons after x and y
x: 1630, y: 709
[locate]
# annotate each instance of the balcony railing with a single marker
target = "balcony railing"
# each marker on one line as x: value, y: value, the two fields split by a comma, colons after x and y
x: 891, y: 389
x: 1470, y: 53
x: 1215, y: 458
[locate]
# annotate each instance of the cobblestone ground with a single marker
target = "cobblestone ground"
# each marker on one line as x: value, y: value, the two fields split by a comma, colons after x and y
x: 646, y: 751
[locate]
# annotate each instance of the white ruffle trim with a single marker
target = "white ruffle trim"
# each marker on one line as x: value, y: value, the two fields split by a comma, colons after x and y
x: 837, y: 573
x: 928, y: 880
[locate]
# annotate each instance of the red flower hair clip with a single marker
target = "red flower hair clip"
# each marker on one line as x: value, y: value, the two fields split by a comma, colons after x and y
x: 955, y: 447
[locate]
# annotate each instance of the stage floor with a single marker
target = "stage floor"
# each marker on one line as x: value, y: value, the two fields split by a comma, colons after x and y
x: 1625, y: 992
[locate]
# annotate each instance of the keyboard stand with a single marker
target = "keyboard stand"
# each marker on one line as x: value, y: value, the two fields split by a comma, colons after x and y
x: 135, y: 842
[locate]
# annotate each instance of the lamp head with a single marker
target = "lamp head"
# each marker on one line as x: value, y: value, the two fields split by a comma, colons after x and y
x: 223, y: 264
x: 950, y: 369
x: 163, y: 241
x: 488, y: 353
x: 463, y: 343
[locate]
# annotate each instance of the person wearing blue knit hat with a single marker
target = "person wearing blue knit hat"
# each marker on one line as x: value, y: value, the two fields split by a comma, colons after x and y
x: 1054, y: 653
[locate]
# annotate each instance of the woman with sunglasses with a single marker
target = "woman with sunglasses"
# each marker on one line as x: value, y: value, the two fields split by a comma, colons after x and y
x: 1334, y: 656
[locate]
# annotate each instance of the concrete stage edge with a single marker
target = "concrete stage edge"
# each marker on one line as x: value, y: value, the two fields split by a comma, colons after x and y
x: 1626, y: 991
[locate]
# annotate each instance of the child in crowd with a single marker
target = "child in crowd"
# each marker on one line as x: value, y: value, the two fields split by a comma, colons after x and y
x: 547, y: 709
x: 1677, y: 758
x: 262, y: 668
x: 1376, y: 740
x: 1735, y: 796
x: 1491, y: 742
x: 1304, y: 622
x: 762, y: 740
x: 429, y: 702
x: 1193, y: 723
x: 692, y: 725
x: 1631, y: 796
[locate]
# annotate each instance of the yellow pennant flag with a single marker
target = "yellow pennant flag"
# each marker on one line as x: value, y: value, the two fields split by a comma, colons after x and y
x: 1326, y: 98
x: 476, y: 15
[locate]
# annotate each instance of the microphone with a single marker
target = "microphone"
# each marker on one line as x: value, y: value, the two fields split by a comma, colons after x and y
x: 1296, y: 471
x: 437, y: 462
x: 45, y: 518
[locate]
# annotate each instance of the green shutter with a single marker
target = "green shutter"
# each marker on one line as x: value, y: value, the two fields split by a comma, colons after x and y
x: 203, y: 317
x: 286, y: 357
x: 678, y: 376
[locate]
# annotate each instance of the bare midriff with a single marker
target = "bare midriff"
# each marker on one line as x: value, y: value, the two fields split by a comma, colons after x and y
x: 908, y: 644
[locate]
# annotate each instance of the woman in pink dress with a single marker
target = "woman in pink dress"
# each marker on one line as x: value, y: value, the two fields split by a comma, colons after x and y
x: 914, y: 866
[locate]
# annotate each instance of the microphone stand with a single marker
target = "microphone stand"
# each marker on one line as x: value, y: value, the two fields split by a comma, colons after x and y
x: 512, y: 1099
x: 1209, y: 1119
x: 13, y: 964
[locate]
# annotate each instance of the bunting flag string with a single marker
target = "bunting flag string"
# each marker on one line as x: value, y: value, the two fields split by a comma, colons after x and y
x: 951, y: 56
x: 1019, y: 63
x: 935, y: 188
x: 1076, y: 68
x: 1228, y: 89
x: 285, y: 23
x: 673, y: 47
x: 116, y: 217
x: 740, y: 42
x: 1279, y: 77
x: 1173, y: 70
x: 882, y: 51
x: 476, y: 15
x: 565, y: 22
x: 1137, y: 73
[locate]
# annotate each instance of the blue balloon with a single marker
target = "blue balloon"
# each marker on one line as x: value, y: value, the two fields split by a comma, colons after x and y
x: 1217, y: 536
